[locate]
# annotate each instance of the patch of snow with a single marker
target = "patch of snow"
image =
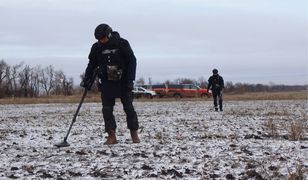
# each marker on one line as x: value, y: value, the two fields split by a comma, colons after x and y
x: 182, y: 139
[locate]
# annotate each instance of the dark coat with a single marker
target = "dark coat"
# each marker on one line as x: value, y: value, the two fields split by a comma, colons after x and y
x: 116, y: 51
x: 216, y: 82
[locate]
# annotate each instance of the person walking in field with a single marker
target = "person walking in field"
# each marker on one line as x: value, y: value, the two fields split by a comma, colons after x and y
x: 115, y: 62
x: 216, y: 83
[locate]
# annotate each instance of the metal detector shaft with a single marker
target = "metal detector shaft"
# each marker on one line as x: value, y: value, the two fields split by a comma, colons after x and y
x: 64, y: 143
x: 76, y: 113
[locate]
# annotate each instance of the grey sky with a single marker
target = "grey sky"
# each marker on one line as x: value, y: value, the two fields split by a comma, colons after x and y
x: 255, y: 41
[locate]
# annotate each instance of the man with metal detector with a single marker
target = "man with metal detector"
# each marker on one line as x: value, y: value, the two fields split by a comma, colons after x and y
x: 116, y: 64
x: 216, y: 82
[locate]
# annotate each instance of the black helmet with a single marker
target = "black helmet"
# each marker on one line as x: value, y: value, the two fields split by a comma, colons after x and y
x: 102, y: 30
x: 215, y: 71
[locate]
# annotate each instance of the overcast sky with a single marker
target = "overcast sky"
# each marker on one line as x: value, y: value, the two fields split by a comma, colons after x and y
x: 252, y: 41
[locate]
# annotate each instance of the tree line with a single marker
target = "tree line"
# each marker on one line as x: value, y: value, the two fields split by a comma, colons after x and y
x: 22, y: 80
x: 231, y: 87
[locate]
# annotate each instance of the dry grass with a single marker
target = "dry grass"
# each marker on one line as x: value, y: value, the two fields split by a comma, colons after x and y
x: 297, y: 130
x: 294, y: 95
x: 296, y: 127
x: 51, y: 99
x: 281, y: 113
x: 298, y: 174
x: 242, y: 112
x: 271, y: 127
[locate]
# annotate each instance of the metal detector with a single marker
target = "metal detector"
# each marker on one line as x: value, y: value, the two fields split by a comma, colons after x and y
x: 64, y: 143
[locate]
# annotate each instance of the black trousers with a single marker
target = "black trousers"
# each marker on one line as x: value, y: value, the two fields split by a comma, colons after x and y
x: 131, y: 115
x: 217, y: 95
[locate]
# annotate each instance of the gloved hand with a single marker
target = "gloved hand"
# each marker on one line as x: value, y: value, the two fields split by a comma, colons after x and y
x: 130, y: 85
x: 220, y: 96
x: 86, y: 83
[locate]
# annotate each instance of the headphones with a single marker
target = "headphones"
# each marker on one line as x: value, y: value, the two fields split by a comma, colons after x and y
x: 109, y: 30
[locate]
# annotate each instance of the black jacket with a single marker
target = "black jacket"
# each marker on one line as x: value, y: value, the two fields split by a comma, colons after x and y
x: 116, y: 51
x: 216, y: 82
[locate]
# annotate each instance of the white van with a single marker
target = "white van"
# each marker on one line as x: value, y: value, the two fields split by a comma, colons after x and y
x: 142, y: 92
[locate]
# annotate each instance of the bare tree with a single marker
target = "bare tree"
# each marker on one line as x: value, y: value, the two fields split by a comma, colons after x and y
x: 24, y: 80
x: 3, y: 67
x: 229, y: 87
x: 202, y: 81
x: 167, y: 82
x: 150, y: 81
x: 185, y: 81
x: 63, y: 85
x: 68, y: 87
x: 35, y: 81
x: 12, y: 78
x: 47, y: 79
x: 140, y: 81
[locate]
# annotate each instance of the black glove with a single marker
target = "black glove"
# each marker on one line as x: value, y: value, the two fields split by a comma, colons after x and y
x: 86, y: 83
x: 130, y: 85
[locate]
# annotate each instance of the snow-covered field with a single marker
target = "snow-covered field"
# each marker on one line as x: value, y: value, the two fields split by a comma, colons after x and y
x: 180, y: 139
